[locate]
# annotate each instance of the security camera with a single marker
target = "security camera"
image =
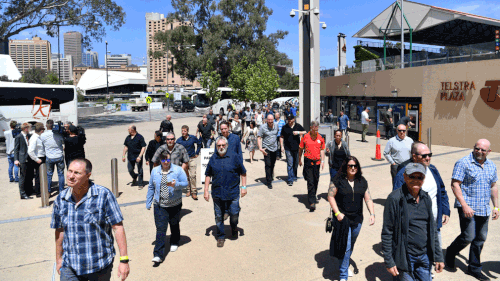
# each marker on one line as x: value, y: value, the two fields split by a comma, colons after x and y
x: 292, y: 13
x: 316, y: 11
x: 323, y: 26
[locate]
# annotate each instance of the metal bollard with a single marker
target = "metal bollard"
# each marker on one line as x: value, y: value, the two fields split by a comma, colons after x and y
x: 114, y: 176
x: 44, y: 187
x: 429, y: 138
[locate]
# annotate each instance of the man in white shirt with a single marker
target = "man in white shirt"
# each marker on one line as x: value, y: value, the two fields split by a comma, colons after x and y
x: 365, y: 121
x: 9, y: 143
x: 37, y: 154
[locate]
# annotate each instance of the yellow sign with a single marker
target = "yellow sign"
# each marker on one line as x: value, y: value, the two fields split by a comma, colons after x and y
x: 306, y: 7
x: 148, y: 99
x: 166, y: 95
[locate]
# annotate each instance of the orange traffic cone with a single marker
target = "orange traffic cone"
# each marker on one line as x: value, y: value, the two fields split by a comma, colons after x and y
x: 378, y: 152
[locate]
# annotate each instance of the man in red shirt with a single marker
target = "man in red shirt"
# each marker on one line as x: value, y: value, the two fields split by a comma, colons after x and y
x: 313, y: 147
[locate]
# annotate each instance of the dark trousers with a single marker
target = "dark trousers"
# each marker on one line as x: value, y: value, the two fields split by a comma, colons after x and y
x: 221, y: 207
x: 278, y: 152
x: 311, y: 175
x: 68, y: 274
x: 269, y: 161
x: 25, y: 179
x: 394, y: 172
x: 139, y: 175
x: 389, y: 131
x: 474, y: 232
x: 164, y: 217
x: 36, y: 168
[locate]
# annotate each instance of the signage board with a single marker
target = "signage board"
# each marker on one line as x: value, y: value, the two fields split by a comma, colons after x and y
x: 149, y: 100
x: 205, y: 154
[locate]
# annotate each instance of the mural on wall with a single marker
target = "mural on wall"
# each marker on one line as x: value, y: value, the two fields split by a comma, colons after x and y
x: 489, y: 94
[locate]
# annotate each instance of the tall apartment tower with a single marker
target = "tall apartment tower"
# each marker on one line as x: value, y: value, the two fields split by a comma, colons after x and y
x: 28, y: 54
x: 66, y: 68
x: 116, y: 61
x: 73, y: 46
x: 90, y: 59
x: 157, y: 68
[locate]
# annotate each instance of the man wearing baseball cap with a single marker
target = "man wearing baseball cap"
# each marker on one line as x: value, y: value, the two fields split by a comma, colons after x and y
x: 409, y: 235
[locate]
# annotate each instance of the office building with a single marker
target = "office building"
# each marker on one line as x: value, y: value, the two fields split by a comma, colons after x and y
x: 90, y: 59
x: 116, y: 61
x: 73, y: 46
x: 79, y: 70
x: 66, y: 65
x: 32, y: 53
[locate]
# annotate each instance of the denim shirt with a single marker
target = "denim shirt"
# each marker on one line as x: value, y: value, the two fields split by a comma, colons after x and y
x: 225, y: 173
x: 175, y: 173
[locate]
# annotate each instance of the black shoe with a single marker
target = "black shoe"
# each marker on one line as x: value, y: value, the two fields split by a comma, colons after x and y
x: 449, y: 261
x: 312, y: 208
x: 11, y: 180
x: 270, y: 186
x: 26, y: 197
x: 134, y: 182
x: 364, y: 141
x: 234, y: 234
x: 478, y: 275
x: 290, y: 183
x: 38, y: 195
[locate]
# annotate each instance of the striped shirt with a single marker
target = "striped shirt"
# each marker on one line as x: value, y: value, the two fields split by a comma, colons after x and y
x: 476, y: 183
x: 53, y: 144
x: 88, y: 241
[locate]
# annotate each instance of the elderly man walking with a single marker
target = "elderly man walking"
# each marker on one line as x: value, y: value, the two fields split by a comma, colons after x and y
x: 178, y: 153
x: 398, y: 150
x: 410, y: 241
x: 83, y: 216
x: 206, y: 131
x: 312, y: 146
x: 474, y: 182
x: 266, y: 138
x: 134, y: 147
x: 189, y: 142
x: 225, y: 171
x: 290, y: 141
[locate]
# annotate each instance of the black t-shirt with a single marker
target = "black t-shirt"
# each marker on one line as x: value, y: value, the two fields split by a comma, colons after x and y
x: 73, y: 147
x: 211, y: 118
x: 350, y: 200
x: 387, y: 118
x: 206, y: 131
x: 405, y: 120
x: 339, y: 156
x: 291, y: 141
x: 419, y: 217
x: 134, y: 146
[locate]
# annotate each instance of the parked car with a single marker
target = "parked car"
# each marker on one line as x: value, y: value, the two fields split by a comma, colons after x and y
x: 183, y: 105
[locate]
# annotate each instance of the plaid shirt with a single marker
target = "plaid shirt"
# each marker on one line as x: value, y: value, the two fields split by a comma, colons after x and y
x: 88, y: 242
x: 476, y: 183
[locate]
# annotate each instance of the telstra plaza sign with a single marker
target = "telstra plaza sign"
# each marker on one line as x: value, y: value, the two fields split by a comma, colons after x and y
x: 489, y: 94
x: 456, y: 91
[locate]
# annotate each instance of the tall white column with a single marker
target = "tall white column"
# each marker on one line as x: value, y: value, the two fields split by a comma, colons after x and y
x: 315, y: 63
x: 300, y: 120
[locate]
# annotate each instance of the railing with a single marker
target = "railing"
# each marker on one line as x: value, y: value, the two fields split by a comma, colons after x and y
x: 391, y: 45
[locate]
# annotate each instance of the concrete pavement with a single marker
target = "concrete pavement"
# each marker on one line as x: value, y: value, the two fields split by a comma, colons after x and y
x: 279, y: 238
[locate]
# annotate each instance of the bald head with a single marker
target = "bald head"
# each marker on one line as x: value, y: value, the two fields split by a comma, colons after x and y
x: 169, y: 117
x: 484, y: 143
x: 421, y: 154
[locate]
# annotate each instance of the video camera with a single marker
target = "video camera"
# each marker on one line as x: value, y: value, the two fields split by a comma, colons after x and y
x: 58, y: 128
x: 16, y: 131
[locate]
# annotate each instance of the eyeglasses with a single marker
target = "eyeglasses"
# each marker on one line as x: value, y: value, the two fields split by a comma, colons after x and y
x: 165, y: 160
x: 425, y: 155
x: 170, y: 139
x: 352, y: 166
x: 401, y: 131
x: 420, y: 178
x: 480, y: 149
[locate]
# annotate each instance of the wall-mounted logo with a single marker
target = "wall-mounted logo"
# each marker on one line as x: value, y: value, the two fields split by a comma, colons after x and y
x: 344, y: 49
x: 489, y: 94
x: 456, y: 91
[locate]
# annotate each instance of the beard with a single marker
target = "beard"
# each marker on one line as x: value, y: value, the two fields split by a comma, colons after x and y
x: 222, y: 150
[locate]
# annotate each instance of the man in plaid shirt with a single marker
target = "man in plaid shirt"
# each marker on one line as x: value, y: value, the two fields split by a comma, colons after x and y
x: 83, y: 217
x: 473, y: 183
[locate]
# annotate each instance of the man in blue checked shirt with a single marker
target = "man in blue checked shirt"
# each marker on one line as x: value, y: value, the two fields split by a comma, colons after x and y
x: 473, y: 182
x: 189, y: 142
x: 280, y: 122
x: 83, y: 217
x: 225, y: 170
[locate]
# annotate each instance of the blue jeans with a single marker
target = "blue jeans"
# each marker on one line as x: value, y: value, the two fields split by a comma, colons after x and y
x: 333, y: 172
x: 292, y: 164
x: 474, y: 232
x: 232, y: 207
x: 15, y: 176
x: 206, y: 142
x: 420, y: 269
x: 68, y: 274
x: 164, y: 217
x: 351, y: 239
x: 60, y: 171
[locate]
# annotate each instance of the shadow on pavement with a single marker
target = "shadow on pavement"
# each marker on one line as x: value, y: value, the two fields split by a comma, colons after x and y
x: 329, y: 264
x: 491, y: 266
x: 184, y: 212
x: 379, y: 201
x: 302, y: 199
x: 227, y: 231
x: 377, y: 272
x: 377, y: 248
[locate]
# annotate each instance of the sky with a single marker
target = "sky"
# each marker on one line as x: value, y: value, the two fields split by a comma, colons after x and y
x: 341, y: 16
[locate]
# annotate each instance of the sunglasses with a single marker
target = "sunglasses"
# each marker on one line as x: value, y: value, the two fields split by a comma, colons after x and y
x: 401, y: 131
x: 420, y: 178
x: 480, y: 149
x: 425, y: 155
x: 170, y: 139
x: 165, y: 160
x: 352, y: 166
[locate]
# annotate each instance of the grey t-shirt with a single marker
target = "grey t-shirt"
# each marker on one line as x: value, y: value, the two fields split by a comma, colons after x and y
x: 269, y: 136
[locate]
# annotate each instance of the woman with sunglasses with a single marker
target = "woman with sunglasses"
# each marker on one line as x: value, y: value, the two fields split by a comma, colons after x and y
x: 165, y: 193
x: 347, y: 191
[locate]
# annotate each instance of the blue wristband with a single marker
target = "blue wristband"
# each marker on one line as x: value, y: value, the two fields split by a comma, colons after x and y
x: 243, y: 187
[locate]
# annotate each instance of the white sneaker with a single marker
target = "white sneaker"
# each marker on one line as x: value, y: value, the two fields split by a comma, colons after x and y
x: 156, y: 259
x: 349, y: 273
x: 343, y: 280
x: 173, y: 248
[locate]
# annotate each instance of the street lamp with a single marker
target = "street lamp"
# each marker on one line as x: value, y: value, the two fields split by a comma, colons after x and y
x: 187, y: 46
x: 107, y: 81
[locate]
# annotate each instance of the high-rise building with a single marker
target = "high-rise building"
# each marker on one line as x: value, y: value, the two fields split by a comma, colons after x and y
x: 91, y: 59
x: 28, y: 54
x: 73, y: 46
x: 66, y: 68
x: 157, y: 68
x: 116, y: 61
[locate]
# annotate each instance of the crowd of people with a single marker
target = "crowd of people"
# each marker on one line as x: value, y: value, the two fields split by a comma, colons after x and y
x: 414, y: 213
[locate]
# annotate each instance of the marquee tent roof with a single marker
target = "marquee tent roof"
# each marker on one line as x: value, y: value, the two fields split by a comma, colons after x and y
x: 7, y: 67
x: 94, y: 79
x: 432, y: 26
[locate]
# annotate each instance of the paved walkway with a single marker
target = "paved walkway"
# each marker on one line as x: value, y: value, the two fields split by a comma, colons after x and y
x: 279, y: 238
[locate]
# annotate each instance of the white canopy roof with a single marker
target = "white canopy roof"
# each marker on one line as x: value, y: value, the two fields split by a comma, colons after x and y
x: 7, y: 67
x: 96, y: 79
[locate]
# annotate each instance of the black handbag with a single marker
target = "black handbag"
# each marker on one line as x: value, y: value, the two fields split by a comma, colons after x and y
x: 329, y: 222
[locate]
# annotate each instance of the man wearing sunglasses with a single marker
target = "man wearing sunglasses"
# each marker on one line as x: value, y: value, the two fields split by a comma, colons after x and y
x: 397, y: 150
x: 473, y: 182
x: 433, y: 184
x: 178, y: 154
x: 409, y: 235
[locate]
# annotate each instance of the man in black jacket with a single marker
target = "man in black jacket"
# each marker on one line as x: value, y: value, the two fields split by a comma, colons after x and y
x: 409, y: 235
x: 153, y: 145
x: 23, y: 161
x: 166, y: 126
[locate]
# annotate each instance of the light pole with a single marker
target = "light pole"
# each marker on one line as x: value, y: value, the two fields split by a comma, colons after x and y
x: 58, y: 55
x: 107, y: 81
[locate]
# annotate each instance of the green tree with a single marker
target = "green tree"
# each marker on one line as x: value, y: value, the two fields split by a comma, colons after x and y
x: 223, y: 31
x: 51, y: 78
x: 91, y: 15
x: 70, y: 82
x: 238, y: 79
x: 34, y: 75
x: 210, y: 80
x: 262, y: 80
x: 289, y: 82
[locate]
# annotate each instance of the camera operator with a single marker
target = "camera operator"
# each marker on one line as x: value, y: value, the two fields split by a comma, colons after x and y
x: 73, y: 145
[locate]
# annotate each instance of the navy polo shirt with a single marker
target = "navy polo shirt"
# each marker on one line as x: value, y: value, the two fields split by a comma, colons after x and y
x: 189, y: 145
x: 225, y: 173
